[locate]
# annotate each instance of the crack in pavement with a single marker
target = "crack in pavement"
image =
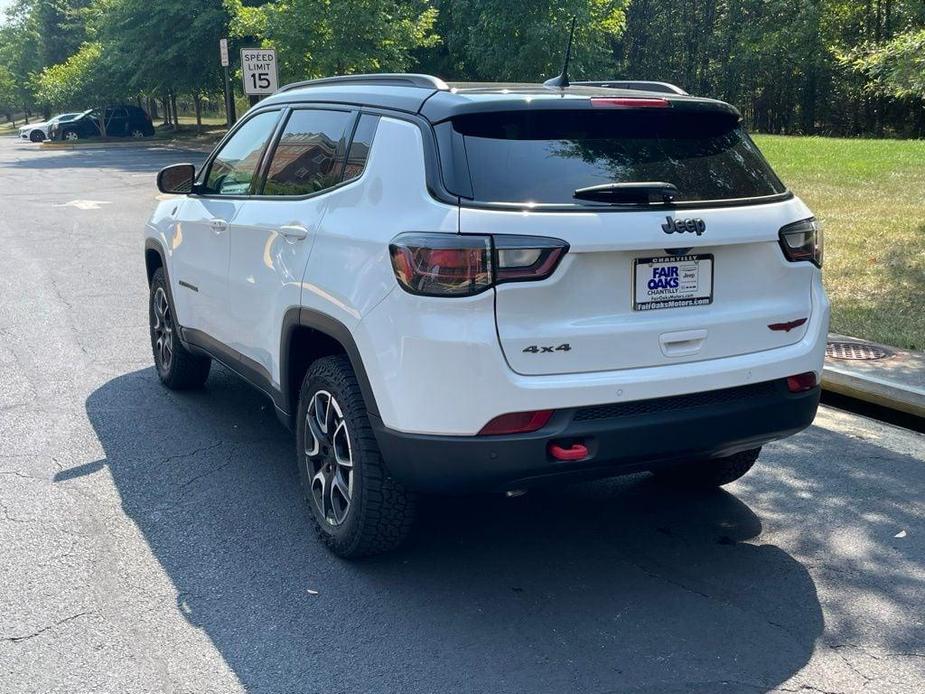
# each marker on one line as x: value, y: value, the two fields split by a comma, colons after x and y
x: 26, y: 637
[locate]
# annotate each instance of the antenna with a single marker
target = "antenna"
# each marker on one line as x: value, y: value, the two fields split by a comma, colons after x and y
x: 562, y: 80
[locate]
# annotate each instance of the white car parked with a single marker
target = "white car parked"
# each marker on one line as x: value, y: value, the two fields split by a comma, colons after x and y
x: 38, y: 132
x: 460, y: 288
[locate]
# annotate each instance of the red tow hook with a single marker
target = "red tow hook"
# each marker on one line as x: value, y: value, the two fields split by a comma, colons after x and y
x: 576, y: 451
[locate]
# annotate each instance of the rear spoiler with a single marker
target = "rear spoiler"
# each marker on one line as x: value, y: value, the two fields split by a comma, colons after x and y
x: 639, y: 85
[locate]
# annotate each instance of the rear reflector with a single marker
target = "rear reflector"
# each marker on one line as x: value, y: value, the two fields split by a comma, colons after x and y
x: 516, y: 423
x: 629, y: 102
x: 801, y: 382
x: 788, y: 326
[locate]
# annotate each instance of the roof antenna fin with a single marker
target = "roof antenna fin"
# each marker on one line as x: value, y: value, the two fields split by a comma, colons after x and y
x: 561, y: 81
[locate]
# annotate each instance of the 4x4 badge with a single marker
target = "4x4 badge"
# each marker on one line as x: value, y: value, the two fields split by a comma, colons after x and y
x: 679, y: 226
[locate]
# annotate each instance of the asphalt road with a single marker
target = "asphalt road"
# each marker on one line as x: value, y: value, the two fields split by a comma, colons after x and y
x: 156, y: 542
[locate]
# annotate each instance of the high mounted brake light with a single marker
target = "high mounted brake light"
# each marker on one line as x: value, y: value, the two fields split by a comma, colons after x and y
x: 448, y: 265
x: 629, y: 102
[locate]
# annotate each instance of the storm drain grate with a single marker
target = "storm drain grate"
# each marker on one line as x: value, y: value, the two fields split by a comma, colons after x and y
x: 855, y: 350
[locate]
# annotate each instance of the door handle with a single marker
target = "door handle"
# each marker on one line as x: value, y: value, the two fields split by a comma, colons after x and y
x: 218, y: 225
x: 293, y: 232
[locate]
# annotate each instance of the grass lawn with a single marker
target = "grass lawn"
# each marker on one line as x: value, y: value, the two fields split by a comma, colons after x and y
x: 870, y: 196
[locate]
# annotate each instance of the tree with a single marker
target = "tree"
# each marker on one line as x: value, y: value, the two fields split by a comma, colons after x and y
x: 185, y: 62
x: 315, y: 38
x: 19, y: 55
x: 8, y: 96
x: 897, y: 68
x: 86, y: 78
x: 524, y: 40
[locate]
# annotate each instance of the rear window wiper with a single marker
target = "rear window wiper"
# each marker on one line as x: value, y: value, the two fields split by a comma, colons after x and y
x: 635, y: 193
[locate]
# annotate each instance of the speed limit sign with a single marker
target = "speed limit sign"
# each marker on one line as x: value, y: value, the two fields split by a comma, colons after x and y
x: 258, y: 69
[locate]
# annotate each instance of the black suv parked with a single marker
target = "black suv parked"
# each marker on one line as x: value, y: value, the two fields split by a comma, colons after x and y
x: 121, y: 121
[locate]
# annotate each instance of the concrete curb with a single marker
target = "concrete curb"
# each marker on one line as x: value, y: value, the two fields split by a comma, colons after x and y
x: 897, y: 382
x: 99, y: 145
x: 148, y: 144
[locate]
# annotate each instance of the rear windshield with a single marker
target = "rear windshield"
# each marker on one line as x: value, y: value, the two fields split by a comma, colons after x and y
x: 543, y: 157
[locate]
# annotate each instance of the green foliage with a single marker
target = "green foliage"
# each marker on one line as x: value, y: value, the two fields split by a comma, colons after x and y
x: 325, y: 37
x: 86, y: 78
x: 152, y: 62
x: 8, y: 96
x: 896, y: 68
x: 832, y: 66
x: 780, y: 61
x: 524, y: 40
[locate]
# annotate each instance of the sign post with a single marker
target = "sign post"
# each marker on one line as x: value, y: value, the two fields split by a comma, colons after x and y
x: 258, y: 70
x: 230, y: 114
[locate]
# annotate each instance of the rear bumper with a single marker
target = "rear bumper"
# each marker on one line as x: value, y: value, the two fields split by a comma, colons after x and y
x: 621, y: 439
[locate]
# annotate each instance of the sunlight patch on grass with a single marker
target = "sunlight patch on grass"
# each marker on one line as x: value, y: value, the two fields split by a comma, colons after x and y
x: 870, y: 196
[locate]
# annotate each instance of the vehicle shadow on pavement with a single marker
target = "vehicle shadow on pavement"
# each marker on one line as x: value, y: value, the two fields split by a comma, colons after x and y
x: 618, y: 585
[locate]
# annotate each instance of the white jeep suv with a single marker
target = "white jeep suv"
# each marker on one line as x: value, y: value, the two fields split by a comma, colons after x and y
x: 488, y: 287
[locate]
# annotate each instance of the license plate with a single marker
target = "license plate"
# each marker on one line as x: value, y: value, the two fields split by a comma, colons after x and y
x: 672, y: 282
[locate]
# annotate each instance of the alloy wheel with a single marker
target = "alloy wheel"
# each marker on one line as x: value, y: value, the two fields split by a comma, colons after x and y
x: 71, y: 136
x: 163, y: 330
x: 329, y: 458
x: 137, y: 133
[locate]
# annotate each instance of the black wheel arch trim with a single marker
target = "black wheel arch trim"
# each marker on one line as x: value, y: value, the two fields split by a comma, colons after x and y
x: 333, y: 328
x: 158, y: 248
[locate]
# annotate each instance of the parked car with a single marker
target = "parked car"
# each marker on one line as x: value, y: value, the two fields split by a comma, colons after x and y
x: 482, y: 288
x: 37, y: 132
x: 121, y: 121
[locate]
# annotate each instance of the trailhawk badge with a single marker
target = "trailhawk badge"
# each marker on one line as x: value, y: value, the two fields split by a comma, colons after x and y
x: 680, y: 226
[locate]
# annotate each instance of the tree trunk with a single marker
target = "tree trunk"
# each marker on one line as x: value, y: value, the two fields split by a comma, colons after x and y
x: 197, y: 103
x: 166, y: 104
x: 102, y: 111
x: 173, y: 107
x: 152, y: 108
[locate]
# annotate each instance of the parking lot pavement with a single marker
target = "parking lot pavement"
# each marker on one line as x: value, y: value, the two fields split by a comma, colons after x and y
x: 156, y: 542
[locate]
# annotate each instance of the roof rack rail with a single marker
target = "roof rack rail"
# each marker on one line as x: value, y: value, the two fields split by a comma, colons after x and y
x: 641, y: 85
x: 389, y: 79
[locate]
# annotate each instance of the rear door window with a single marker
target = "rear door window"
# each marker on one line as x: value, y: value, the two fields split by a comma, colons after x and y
x: 309, y: 157
x: 543, y: 157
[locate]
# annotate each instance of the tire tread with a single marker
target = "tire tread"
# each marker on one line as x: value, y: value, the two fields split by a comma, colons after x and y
x: 386, y: 509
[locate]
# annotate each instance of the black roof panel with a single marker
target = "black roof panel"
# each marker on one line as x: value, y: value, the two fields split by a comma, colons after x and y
x: 438, y: 102
x: 388, y: 96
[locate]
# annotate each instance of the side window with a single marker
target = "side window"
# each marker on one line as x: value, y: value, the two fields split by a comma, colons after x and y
x: 310, y: 155
x: 360, y: 146
x: 233, y: 168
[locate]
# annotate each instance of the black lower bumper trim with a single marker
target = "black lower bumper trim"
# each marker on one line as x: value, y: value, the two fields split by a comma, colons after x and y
x: 632, y: 440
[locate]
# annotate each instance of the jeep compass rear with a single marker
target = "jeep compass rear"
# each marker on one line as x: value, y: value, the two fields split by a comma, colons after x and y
x: 631, y: 288
x: 489, y: 287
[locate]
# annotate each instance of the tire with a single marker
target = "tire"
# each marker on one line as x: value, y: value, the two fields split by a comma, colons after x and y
x: 357, y: 509
x: 709, y: 473
x: 36, y: 136
x: 137, y: 132
x: 70, y: 136
x: 178, y: 368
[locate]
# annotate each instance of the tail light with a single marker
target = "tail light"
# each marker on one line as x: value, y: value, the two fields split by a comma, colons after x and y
x: 801, y: 382
x: 463, y: 265
x: 517, y: 423
x: 802, y: 241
